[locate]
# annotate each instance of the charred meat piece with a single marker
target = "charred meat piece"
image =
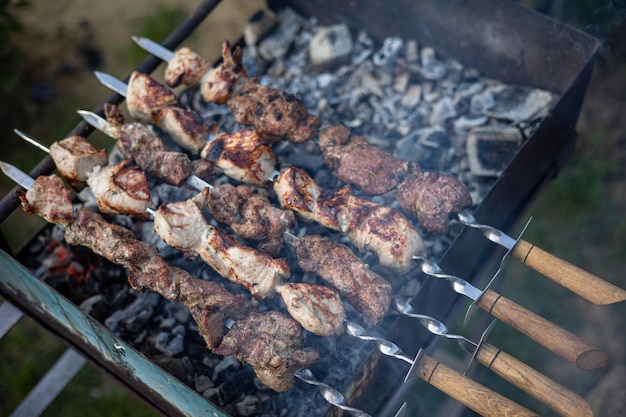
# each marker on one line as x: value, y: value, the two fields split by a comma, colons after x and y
x: 354, y: 161
x: 370, y: 226
x: 250, y: 215
x: 382, y: 230
x: 217, y: 84
x: 274, y: 114
x: 369, y: 293
x: 75, y: 158
x: 183, y: 226
x: 297, y: 191
x: 431, y: 197
x: 48, y: 198
x: 272, y: 344
x: 121, y: 189
x: 151, y: 102
x: 139, y: 143
x: 209, y: 303
x: 187, y: 68
x: 316, y: 307
x: 243, y: 156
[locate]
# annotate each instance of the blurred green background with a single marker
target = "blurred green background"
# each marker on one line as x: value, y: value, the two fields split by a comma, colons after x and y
x: 48, y: 53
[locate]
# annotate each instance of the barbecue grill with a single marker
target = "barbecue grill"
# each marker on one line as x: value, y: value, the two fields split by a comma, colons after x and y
x: 501, y: 40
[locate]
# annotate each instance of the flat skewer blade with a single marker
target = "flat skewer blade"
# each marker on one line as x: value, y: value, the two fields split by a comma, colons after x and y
x: 99, y: 123
x: 31, y: 140
x: 154, y: 48
x: 197, y: 183
x: 112, y: 83
x: 16, y: 175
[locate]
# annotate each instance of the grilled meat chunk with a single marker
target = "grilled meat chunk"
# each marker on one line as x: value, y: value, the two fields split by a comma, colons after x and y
x: 243, y: 156
x: 369, y: 293
x: 151, y: 102
x: 208, y: 302
x: 272, y: 344
x: 183, y: 226
x: 370, y: 226
x: 48, y: 198
x: 75, y: 158
x: 316, y: 307
x: 187, y: 68
x: 297, y: 191
x: 121, y: 189
x: 354, y: 161
x: 217, y: 84
x: 431, y: 197
x: 274, y: 114
x: 139, y: 143
x: 250, y: 215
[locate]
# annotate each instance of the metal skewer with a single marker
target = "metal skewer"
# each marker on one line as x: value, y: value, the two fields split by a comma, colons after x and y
x: 577, y: 280
x: 542, y: 331
x: 479, y: 398
x: 558, y: 398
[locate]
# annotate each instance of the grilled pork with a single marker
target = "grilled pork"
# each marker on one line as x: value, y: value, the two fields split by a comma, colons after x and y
x: 431, y: 197
x: 75, y: 158
x: 273, y: 344
x: 186, y: 67
x: 354, y: 161
x: 370, y: 226
x: 243, y: 156
x: 316, y: 307
x: 369, y: 293
x: 250, y: 215
x: 48, y: 198
x: 151, y: 102
x: 274, y: 114
x: 139, y: 143
x: 218, y: 83
x: 183, y: 226
x: 121, y: 189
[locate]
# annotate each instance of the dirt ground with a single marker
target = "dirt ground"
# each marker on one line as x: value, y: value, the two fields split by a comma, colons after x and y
x: 66, y: 40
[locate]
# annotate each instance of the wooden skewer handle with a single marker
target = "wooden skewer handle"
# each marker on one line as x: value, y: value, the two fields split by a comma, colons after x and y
x: 542, y: 331
x: 472, y: 394
x: 552, y: 394
x: 577, y: 280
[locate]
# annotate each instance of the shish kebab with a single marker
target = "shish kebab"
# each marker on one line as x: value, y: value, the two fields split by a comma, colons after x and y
x: 119, y: 189
x: 427, y: 195
x: 340, y: 210
x: 182, y: 225
x: 370, y: 226
x: 268, y: 341
x: 327, y: 260
x: 251, y: 216
x: 345, y: 153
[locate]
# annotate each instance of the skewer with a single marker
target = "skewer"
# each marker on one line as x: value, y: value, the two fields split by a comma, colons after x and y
x: 546, y: 333
x: 27, y: 182
x: 558, y: 398
x: 334, y: 397
x: 118, y: 189
x: 549, y: 335
x: 579, y: 281
x: 209, y: 303
x: 480, y: 398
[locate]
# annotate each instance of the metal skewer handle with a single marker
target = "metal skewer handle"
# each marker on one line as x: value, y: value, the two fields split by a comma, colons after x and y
x: 577, y: 280
x: 549, y: 335
x: 552, y: 394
